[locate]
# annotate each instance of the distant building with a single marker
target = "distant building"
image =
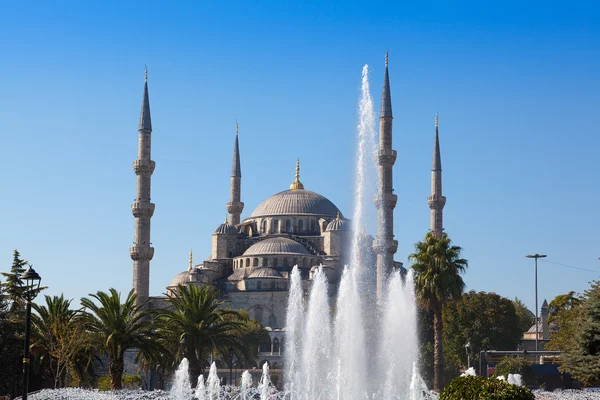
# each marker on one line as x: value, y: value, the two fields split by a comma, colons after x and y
x: 543, y: 329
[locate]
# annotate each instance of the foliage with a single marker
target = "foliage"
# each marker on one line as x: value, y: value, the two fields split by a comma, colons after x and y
x: 197, y: 322
x: 526, y: 317
x: 515, y: 365
x: 564, y: 316
x: 477, y: 387
x: 425, y: 334
x: 61, y: 340
x: 116, y: 327
x: 129, y: 382
x: 437, y: 266
x: 582, y: 359
x: 12, y: 286
x: 485, y: 320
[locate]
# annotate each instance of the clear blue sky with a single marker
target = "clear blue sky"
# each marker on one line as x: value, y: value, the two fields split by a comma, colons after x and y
x: 515, y: 83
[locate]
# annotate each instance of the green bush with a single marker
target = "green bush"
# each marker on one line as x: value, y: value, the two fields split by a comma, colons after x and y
x: 480, y: 388
x: 129, y: 382
x: 515, y: 365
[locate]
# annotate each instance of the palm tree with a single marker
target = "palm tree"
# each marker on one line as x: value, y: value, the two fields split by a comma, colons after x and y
x: 199, y: 325
x: 116, y: 327
x: 437, y: 267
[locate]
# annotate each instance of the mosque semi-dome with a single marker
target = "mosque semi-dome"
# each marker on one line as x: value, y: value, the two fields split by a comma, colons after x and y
x: 276, y: 246
x: 226, y: 229
x: 338, y: 224
x: 265, y: 273
x: 182, y: 278
x: 296, y: 202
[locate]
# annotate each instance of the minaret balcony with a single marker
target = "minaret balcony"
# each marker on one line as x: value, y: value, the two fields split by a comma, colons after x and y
x: 144, y: 167
x: 436, y: 201
x: 385, y: 200
x: 142, y: 209
x: 386, y: 157
x: 382, y: 246
x: 141, y: 253
x: 235, y: 207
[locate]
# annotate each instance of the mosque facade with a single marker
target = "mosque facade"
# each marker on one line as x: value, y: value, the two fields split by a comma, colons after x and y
x: 252, y: 258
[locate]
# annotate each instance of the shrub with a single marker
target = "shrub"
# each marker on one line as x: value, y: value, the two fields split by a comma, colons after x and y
x: 477, y: 387
x: 515, y: 365
x: 129, y: 382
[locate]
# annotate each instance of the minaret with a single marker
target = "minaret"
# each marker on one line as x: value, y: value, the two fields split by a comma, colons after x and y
x: 385, y: 246
x: 141, y: 252
x: 234, y: 205
x: 436, y: 200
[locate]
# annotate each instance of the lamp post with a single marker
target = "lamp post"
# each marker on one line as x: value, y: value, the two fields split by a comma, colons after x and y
x: 30, y: 282
x: 537, y: 326
x: 468, y: 350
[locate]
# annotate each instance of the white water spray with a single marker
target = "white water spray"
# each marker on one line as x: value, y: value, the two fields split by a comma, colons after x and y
x: 182, y: 388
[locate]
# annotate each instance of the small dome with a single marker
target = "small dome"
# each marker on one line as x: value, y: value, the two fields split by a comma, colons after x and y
x: 296, y: 202
x: 337, y: 224
x: 238, y: 274
x: 265, y: 273
x: 276, y: 246
x: 181, y: 279
x: 226, y: 229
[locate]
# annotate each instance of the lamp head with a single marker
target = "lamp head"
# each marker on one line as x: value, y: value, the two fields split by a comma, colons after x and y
x: 30, y: 281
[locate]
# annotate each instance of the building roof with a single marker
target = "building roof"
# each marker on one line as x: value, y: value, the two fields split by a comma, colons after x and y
x: 238, y: 274
x: 145, y: 120
x: 265, y: 273
x: 277, y: 245
x: 182, y: 278
x: 296, y: 202
x: 226, y: 229
x: 338, y: 224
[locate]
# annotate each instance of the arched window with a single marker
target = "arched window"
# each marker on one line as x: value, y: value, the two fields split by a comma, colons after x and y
x: 285, y: 262
x: 304, y: 262
x: 288, y: 226
x: 272, y: 321
x: 300, y: 226
x: 255, y: 262
x: 265, y: 345
x: 247, y: 262
x: 276, y: 346
x: 275, y: 262
x: 230, y: 254
x: 263, y: 227
x: 258, y: 314
x: 259, y: 285
x: 312, y: 225
x: 294, y: 262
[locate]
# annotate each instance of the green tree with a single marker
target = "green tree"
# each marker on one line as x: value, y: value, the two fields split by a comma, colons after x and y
x: 61, y: 340
x: 526, y: 317
x: 564, y: 317
x: 583, y: 359
x: 197, y: 322
x: 11, y: 348
x: 437, y: 266
x: 12, y: 286
x: 116, y: 327
x: 485, y: 320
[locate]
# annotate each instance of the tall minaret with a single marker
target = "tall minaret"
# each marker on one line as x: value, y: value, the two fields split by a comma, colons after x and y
x: 385, y: 246
x: 234, y: 205
x: 141, y: 252
x: 436, y: 200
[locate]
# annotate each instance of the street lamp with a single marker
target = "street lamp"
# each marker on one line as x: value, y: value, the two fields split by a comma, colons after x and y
x: 30, y: 283
x: 537, y: 326
x: 468, y: 350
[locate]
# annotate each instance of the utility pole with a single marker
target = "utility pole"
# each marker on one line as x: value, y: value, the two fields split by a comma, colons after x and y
x: 537, y: 326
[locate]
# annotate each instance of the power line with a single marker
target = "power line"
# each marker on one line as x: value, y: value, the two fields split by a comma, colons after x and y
x: 570, y: 266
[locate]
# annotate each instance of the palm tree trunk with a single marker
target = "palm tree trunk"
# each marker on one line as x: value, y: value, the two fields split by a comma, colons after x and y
x: 438, y: 352
x: 115, y: 370
x: 195, y: 366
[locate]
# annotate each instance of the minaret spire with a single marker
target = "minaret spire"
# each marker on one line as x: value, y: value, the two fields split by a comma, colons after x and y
x: 436, y: 201
x: 385, y: 246
x: 297, y: 184
x: 141, y: 252
x: 235, y: 205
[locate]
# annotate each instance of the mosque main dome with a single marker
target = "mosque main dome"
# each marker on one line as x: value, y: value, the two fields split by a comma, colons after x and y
x: 296, y: 202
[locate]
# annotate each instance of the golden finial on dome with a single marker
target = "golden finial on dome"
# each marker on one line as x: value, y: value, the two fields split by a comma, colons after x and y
x: 297, y: 184
x: 436, y: 120
x: 226, y: 219
x: 338, y: 216
x: 191, y: 267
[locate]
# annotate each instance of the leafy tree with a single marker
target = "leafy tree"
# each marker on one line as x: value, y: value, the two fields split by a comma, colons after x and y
x: 116, y: 327
x: 197, y: 322
x: 526, y: 317
x: 516, y: 365
x: 437, y: 266
x: 486, y: 320
x: 11, y: 348
x: 583, y: 359
x: 12, y: 286
x: 61, y: 339
x: 564, y: 315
